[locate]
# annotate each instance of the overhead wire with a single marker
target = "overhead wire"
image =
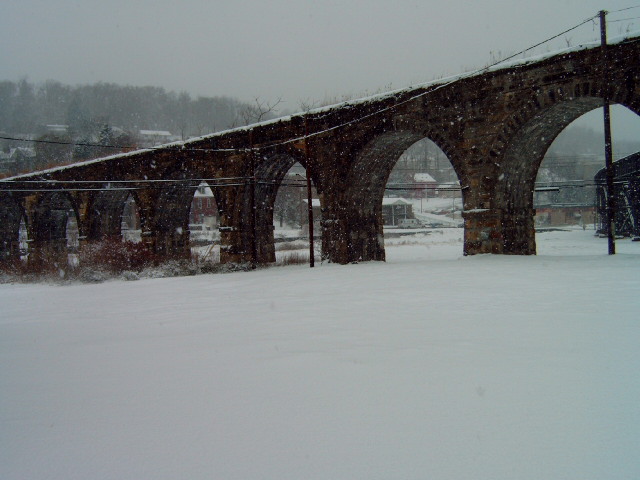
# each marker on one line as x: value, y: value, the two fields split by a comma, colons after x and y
x: 445, y: 186
x: 623, y: 20
x: 624, y: 9
x: 146, y: 180
x: 59, y: 142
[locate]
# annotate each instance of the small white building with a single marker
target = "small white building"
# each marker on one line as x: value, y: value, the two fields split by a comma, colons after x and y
x: 425, y: 185
x: 449, y: 190
x: 152, y: 138
x: 204, y: 210
x: 394, y: 210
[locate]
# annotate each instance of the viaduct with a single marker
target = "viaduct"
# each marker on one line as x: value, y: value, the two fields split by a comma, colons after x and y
x: 495, y: 127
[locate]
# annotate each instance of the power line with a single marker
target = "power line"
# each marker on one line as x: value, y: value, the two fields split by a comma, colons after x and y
x: 145, y: 180
x: 59, y: 142
x: 393, y: 186
x: 624, y: 9
x: 623, y: 19
x: 118, y: 189
x: 190, y: 184
x: 126, y: 148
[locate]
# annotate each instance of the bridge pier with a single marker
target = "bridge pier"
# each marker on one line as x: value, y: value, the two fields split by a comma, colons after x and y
x: 518, y: 231
x: 241, y: 243
x: 10, y: 214
x: 47, y: 216
x: 237, y: 246
x: 48, y: 253
x: 365, y: 238
x: 172, y: 244
x: 482, y: 231
x: 9, y: 245
x: 334, y: 240
x: 499, y: 231
x: 265, y: 244
x: 232, y: 249
x: 353, y: 236
x: 9, y: 249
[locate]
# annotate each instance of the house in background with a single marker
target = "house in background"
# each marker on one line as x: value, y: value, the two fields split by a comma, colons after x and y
x: 152, y: 138
x: 424, y: 185
x: 17, y: 160
x: 448, y: 190
x: 57, y: 129
x: 204, y: 210
x: 561, y: 215
x: 394, y: 210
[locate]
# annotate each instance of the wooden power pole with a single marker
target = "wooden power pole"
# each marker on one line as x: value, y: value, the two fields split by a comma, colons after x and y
x: 309, y: 199
x: 608, y: 150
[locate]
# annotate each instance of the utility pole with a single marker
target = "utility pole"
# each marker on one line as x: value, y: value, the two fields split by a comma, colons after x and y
x: 608, y: 150
x: 309, y: 206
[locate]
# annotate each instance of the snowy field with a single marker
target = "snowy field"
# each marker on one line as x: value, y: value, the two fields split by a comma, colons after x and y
x: 429, y: 366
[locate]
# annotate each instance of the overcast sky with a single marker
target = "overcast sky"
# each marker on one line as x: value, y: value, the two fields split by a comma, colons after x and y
x: 296, y: 50
x: 293, y: 50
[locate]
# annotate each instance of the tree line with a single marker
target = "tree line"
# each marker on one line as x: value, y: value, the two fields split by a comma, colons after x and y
x: 25, y: 107
x: 111, y: 115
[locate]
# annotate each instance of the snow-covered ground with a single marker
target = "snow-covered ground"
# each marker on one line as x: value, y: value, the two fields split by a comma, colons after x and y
x: 429, y: 366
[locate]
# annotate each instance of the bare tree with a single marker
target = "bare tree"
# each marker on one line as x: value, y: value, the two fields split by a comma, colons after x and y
x: 258, y: 111
x: 308, y: 105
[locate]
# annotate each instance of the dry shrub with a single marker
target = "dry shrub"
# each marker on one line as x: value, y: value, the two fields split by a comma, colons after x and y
x: 114, y: 255
x: 49, y: 263
x: 206, y: 255
x: 291, y: 246
x: 107, y: 259
x: 293, y: 259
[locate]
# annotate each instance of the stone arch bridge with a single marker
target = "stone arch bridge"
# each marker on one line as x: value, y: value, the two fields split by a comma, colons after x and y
x: 494, y: 126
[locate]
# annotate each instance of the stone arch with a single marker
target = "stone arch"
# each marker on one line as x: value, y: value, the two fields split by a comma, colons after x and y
x: 165, y: 207
x: 49, y: 219
x: 521, y: 148
x: 361, y: 207
x: 270, y: 171
x: 170, y: 222
x: 105, y: 212
x: 51, y: 214
x: 130, y: 218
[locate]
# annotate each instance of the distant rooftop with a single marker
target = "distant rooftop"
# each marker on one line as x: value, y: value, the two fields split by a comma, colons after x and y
x: 155, y: 133
x: 423, y: 178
